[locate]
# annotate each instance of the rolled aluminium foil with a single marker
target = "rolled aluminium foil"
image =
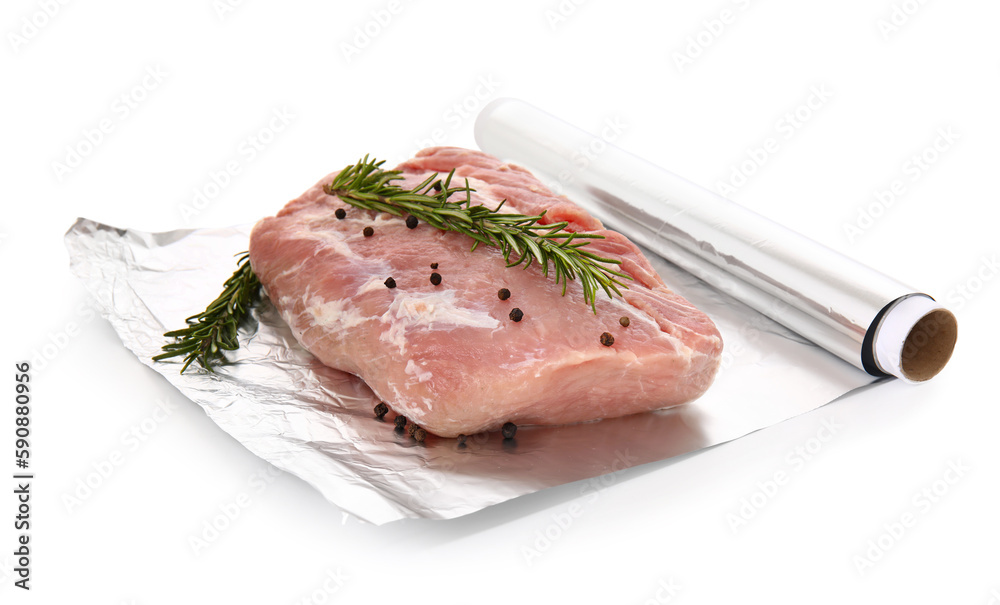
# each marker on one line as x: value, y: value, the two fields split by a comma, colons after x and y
x: 865, y: 317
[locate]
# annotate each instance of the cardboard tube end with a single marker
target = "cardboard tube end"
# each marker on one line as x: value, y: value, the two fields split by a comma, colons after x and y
x: 929, y: 345
x: 915, y: 338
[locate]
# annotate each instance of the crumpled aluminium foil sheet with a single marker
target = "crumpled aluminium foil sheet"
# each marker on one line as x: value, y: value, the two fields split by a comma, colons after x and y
x: 317, y: 423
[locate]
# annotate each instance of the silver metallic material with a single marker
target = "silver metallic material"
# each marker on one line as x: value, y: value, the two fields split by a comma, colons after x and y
x: 815, y: 291
x: 318, y: 423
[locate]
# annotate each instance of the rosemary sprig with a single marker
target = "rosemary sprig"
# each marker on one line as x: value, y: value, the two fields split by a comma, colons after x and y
x: 214, y: 330
x: 366, y: 185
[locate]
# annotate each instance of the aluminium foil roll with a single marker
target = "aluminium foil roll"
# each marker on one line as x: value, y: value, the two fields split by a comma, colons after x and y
x: 832, y: 300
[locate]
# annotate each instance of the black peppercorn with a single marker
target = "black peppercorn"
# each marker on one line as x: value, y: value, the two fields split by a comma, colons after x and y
x: 607, y: 339
x: 368, y: 232
x: 436, y: 279
x: 461, y: 440
x: 381, y: 410
x: 390, y: 282
x: 411, y: 222
x: 420, y: 434
x: 340, y: 213
x: 516, y: 314
x: 434, y: 265
x: 400, y: 421
x: 624, y: 322
x: 508, y: 430
x: 503, y: 294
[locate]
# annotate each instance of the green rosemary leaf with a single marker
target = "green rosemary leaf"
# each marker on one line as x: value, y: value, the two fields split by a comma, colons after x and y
x: 457, y: 214
x: 512, y: 245
x: 426, y: 184
x: 536, y: 252
x: 215, y: 329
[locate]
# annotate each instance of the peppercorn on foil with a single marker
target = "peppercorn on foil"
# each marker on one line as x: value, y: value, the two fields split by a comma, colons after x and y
x: 318, y: 423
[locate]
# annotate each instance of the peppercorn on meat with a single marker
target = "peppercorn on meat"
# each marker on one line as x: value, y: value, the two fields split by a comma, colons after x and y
x: 470, y: 344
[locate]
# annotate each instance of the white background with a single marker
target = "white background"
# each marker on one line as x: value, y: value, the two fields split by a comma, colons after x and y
x: 695, y: 88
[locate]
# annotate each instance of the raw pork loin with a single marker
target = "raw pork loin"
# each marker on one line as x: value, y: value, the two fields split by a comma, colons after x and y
x: 448, y: 356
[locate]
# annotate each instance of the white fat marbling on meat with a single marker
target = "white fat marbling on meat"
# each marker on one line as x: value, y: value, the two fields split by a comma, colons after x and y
x: 411, y: 407
x: 293, y: 269
x: 339, y: 313
x: 330, y: 239
x: 429, y: 311
x: 373, y: 283
x: 413, y: 369
x: 384, y: 218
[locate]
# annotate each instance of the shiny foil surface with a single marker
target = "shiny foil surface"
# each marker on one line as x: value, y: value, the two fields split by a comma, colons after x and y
x: 817, y: 292
x: 317, y: 423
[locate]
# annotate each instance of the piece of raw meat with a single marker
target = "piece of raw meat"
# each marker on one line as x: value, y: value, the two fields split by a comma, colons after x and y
x: 448, y: 356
